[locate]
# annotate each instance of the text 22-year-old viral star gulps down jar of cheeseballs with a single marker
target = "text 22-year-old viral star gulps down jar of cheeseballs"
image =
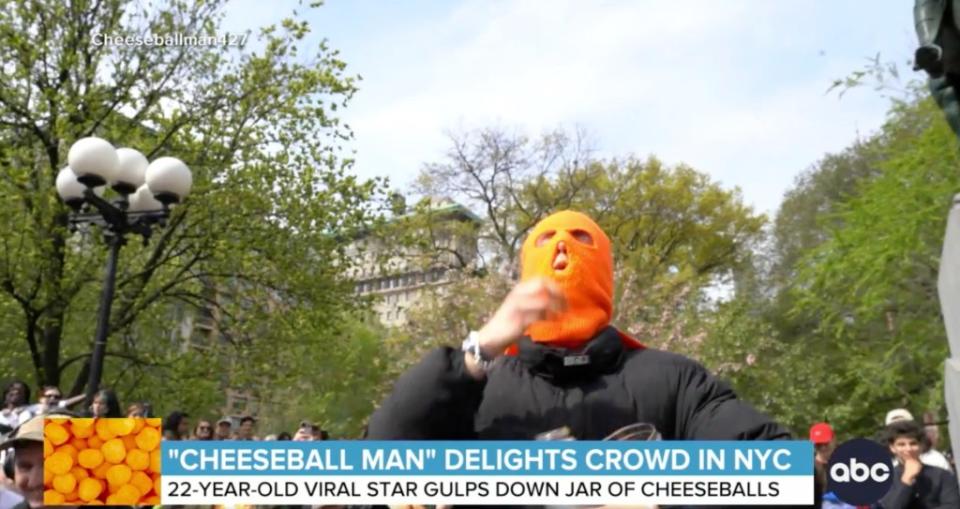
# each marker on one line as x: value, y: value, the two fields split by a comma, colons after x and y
x: 101, y: 461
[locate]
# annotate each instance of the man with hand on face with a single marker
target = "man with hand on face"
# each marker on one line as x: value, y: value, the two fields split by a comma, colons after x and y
x: 915, y: 485
x: 305, y: 433
x: 550, y: 358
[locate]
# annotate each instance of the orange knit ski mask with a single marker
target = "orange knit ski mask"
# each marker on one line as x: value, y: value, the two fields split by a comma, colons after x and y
x: 572, y: 250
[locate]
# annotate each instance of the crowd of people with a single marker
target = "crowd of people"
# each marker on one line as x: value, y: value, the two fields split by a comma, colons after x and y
x: 18, y: 409
x: 924, y: 476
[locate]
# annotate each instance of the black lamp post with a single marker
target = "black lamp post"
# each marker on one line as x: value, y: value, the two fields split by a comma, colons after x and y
x: 145, y: 192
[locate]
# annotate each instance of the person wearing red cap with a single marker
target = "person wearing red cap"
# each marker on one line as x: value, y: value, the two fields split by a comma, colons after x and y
x: 824, y: 442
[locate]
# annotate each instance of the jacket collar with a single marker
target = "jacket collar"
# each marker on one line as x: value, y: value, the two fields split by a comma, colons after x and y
x: 602, y: 354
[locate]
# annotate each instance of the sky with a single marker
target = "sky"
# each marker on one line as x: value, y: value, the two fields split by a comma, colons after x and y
x: 736, y: 89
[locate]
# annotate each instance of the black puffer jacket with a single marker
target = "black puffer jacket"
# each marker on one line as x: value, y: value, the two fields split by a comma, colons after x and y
x: 536, y: 392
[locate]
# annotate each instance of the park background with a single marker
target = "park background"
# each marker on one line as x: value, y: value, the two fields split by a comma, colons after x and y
x: 774, y: 177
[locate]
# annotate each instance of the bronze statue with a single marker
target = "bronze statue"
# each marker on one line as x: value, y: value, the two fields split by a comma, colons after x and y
x: 938, y: 28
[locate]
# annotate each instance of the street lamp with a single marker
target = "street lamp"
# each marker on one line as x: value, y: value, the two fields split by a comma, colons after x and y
x: 145, y: 193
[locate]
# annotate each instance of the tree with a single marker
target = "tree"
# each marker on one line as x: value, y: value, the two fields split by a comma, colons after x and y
x: 872, y: 284
x: 335, y: 379
x: 256, y: 125
x: 488, y: 167
x: 676, y: 235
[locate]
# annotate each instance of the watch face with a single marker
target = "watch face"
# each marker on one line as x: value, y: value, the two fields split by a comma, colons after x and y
x: 472, y: 346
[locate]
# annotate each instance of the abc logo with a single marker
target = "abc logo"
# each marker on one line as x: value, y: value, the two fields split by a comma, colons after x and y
x: 860, y: 472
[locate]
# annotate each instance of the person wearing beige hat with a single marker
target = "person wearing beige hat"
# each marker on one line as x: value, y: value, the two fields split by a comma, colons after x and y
x: 224, y: 429
x: 930, y: 456
x: 27, y: 445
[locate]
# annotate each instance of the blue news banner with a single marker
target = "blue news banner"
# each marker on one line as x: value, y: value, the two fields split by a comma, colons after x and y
x: 478, y: 472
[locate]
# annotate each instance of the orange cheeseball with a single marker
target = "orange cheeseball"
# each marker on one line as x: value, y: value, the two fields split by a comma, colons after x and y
x: 114, y: 451
x: 89, y: 489
x: 90, y: 458
x: 59, y: 463
x: 64, y: 483
x: 56, y: 433
x: 53, y: 497
x: 148, y: 439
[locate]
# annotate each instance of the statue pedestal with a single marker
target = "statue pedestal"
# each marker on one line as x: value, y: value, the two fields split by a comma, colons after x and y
x: 951, y: 380
x: 948, y: 281
x: 948, y: 286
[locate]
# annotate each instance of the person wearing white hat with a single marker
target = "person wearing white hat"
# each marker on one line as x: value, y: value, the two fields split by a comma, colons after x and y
x: 898, y: 414
x: 931, y: 456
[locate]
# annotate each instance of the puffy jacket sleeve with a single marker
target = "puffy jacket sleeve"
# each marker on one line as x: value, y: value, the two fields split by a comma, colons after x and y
x: 436, y: 399
x: 708, y: 409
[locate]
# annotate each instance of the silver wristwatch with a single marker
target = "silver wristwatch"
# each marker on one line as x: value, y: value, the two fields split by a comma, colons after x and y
x: 472, y: 345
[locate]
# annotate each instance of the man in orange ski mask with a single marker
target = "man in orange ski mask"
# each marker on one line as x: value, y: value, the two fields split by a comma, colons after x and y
x: 550, y: 359
x: 569, y: 251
